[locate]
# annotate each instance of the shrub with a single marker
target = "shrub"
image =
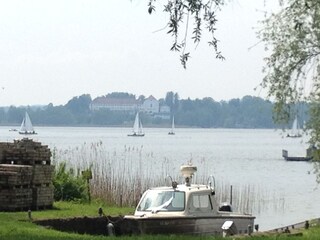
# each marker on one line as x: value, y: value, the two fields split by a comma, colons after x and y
x: 68, y: 185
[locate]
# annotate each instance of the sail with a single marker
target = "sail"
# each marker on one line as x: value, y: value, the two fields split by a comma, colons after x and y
x: 295, y: 130
x: 172, y: 127
x: 137, y: 127
x: 136, y: 124
x: 140, y: 131
x: 23, y: 126
x: 295, y: 127
x: 26, y: 125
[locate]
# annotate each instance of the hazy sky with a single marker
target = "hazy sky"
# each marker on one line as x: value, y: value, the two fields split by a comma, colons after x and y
x: 51, y: 51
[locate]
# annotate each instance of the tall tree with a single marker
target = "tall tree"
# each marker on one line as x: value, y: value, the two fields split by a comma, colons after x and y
x: 79, y: 107
x: 172, y: 100
x: 79, y: 104
x: 141, y: 98
x: 293, y: 37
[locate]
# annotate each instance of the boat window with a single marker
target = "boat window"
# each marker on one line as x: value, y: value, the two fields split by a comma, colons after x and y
x: 201, y: 202
x: 157, y: 201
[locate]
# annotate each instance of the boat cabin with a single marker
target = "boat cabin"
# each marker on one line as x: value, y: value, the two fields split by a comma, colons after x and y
x: 182, y: 200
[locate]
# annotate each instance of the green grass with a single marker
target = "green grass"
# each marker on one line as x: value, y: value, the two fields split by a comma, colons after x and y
x: 17, y: 226
x: 72, y: 209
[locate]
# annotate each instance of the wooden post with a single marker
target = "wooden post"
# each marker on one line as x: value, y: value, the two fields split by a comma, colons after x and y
x: 89, y: 194
x: 87, y: 174
x: 231, y: 195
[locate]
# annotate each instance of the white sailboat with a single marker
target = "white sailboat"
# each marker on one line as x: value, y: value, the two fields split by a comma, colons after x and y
x: 137, y: 130
x: 295, y: 130
x: 26, y: 126
x: 172, y: 127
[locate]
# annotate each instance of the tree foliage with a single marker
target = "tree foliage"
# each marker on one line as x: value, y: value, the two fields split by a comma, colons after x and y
x: 120, y: 95
x: 79, y: 104
x: 293, y: 37
x: 172, y: 100
x: 201, y: 14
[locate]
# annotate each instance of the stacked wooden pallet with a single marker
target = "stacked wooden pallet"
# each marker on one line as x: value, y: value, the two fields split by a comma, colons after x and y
x: 15, y: 175
x: 42, y: 189
x: 24, y: 152
x: 15, y: 186
x: 25, y: 175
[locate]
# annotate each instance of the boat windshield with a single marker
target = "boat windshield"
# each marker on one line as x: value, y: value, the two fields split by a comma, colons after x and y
x: 157, y: 201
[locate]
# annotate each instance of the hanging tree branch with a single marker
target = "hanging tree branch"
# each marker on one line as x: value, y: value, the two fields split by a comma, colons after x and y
x: 293, y: 37
x: 180, y: 13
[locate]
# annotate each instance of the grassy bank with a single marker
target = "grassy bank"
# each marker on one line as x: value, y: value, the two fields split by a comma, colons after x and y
x: 17, y: 226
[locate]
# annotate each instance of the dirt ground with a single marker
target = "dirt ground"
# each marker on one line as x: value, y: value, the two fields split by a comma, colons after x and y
x: 89, y: 225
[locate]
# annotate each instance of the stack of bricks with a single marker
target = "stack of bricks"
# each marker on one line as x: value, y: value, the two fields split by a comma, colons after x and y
x: 25, y: 176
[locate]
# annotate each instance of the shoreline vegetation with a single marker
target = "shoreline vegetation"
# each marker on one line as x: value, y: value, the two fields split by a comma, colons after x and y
x: 120, y: 178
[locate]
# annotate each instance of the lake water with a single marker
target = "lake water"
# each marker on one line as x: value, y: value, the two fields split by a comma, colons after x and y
x: 287, y: 191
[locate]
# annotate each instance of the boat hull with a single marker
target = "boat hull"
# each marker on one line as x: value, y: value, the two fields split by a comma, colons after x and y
x: 298, y: 159
x: 189, y: 225
x: 135, y: 135
x: 294, y: 136
x: 27, y: 133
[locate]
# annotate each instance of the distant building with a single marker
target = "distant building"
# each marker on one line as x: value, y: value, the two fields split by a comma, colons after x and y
x: 115, y: 104
x: 150, y: 105
x: 164, y: 109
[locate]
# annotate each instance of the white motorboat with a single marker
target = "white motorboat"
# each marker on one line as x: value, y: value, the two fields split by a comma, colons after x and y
x: 186, y: 209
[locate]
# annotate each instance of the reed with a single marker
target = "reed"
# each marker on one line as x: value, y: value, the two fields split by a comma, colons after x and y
x: 120, y: 177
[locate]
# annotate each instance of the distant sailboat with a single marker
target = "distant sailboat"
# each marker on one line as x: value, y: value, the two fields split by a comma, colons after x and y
x: 172, y: 127
x: 26, y: 126
x: 295, y: 130
x: 137, y: 130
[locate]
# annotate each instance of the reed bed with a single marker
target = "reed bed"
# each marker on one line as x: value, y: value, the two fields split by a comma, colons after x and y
x: 121, y: 176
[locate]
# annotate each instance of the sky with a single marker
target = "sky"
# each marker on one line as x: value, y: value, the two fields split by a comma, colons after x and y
x: 52, y: 51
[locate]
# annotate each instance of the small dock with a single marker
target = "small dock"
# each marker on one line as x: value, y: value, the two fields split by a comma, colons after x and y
x: 293, y: 230
x: 296, y: 158
x: 300, y: 225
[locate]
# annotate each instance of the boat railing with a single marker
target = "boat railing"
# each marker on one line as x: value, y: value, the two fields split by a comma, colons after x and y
x: 211, y: 180
x: 174, y: 184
